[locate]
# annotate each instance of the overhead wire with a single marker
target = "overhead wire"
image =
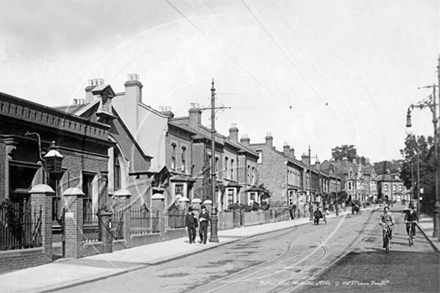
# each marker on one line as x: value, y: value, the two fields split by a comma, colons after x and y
x: 232, y: 59
x: 281, y: 50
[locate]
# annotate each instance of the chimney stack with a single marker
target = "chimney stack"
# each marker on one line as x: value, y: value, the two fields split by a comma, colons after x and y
x: 233, y: 132
x: 133, y: 88
x: 245, y: 140
x: 269, y: 140
x: 317, y: 164
x: 166, y: 110
x: 292, y: 153
x: 305, y: 159
x: 286, y: 149
x: 195, y: 116
x: 91, y: 85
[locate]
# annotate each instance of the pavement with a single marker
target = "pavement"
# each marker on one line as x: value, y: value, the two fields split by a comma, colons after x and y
x: 65, y: 273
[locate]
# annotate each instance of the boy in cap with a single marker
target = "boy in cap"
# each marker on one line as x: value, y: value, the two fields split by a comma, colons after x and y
x: 204, y: 223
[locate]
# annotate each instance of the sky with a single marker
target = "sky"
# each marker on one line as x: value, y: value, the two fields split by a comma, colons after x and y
x: 312, y: 73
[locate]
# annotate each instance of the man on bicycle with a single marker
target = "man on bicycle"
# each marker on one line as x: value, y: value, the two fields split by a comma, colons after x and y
x: 386, y: 220
x: 411, y: 219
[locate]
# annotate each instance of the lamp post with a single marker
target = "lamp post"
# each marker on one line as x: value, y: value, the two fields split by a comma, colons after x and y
x: 337, y: 203
x: 408, y: 131
x: 430, y: 102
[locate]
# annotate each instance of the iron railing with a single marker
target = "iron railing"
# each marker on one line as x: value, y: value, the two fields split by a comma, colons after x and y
x: 20, y: 225
x: 90, y: 227
x: 143, y: 221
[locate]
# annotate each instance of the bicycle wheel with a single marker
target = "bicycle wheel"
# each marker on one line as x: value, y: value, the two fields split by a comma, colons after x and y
x: 386, y: 243
x: 410, y: 236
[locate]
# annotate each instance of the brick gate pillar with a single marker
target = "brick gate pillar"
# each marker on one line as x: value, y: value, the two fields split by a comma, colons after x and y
x: 74, y: 220
x: 41, y: 201
x: 158, y: 207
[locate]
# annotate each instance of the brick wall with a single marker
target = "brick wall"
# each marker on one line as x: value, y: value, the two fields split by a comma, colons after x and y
x: 273, y: 173
x: 20, y: 259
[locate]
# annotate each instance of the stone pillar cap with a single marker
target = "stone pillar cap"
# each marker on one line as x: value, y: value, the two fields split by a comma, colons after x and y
x: 73, y: 191
x: 41, y: 188
x: 122, y: 193
x: 183, y: 198
x: 158, y: 196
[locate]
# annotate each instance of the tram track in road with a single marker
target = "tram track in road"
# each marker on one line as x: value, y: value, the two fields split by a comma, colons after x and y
x: 318, y: 272
x: 283, y: 271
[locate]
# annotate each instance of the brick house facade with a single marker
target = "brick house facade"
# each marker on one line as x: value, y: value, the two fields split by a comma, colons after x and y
x: 280, y: 172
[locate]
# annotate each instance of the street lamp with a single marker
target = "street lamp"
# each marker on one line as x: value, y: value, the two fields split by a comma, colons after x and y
x: 409, y: 132
x: 430, y: 102
x: 51, y: 162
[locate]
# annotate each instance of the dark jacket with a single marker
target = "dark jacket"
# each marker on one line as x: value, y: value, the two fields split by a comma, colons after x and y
x: 317, y: 214
x: 190, y: 220
x: 411, y: 216
x: 204, y: 219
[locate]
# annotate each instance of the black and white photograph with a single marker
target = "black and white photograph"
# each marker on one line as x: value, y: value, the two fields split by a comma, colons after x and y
x: 219, y: 146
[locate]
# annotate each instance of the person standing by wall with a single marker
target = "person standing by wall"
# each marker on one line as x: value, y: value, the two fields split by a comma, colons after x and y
x: 291, y: 212
x: 204, y: 223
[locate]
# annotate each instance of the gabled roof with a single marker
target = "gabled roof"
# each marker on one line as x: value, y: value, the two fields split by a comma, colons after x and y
x: 81, y: 111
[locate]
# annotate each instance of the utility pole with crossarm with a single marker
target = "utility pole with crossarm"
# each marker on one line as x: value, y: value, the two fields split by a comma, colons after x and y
x: 214, y: 218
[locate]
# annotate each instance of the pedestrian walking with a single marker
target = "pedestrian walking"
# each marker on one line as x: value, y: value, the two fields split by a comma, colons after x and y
x: 204, y: 223
x: 317, y: 215
x: 191, y: 225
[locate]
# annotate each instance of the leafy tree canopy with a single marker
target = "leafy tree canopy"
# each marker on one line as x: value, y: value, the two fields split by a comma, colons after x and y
x: 265, y: 193
x: 344, y: 151
x: 419, y: 158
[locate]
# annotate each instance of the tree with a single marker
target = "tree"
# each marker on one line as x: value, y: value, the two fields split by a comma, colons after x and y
x: 347, y: 151
x: 264, y: 193
x: 419, y: 152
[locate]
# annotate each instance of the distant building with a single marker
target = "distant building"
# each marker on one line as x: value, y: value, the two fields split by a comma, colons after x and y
x: 391, y: 187
x: 280, y: 172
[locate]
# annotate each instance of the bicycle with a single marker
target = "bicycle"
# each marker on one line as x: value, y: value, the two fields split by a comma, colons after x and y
x: 410, y: 232
x: 386, y: 238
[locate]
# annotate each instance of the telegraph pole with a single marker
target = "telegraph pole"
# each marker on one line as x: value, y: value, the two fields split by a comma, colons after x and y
x: 437, y: 162
x: 214, y: 218
x: 310, y: 175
